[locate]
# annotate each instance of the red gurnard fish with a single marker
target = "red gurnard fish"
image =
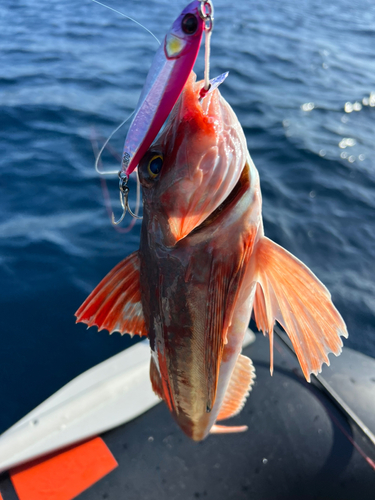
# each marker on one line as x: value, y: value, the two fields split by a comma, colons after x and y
x: 203, y: 265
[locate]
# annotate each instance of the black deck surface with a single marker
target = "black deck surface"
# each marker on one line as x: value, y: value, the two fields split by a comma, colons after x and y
x: 298, y: 446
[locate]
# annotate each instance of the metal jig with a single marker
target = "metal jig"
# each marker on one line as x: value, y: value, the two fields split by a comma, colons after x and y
x: 206, y: 12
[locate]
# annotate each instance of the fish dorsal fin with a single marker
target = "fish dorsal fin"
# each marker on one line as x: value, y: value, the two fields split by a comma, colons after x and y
x: 287, y: 291
x: 238, y: 389
x: 115, y: 304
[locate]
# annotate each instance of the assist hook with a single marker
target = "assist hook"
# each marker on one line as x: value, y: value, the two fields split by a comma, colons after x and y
x: 124, y: 199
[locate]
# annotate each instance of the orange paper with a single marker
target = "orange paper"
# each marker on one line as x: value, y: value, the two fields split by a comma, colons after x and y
x: 65, y: 474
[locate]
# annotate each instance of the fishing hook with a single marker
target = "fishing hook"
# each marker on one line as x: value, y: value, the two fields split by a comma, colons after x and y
x: 124, y: 199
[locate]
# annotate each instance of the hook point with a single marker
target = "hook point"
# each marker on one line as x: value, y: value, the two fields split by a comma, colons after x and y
x: 116, y: 223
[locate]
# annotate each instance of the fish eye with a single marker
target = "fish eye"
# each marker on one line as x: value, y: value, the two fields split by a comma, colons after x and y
x: 154, y: 166
x: 189, y: 24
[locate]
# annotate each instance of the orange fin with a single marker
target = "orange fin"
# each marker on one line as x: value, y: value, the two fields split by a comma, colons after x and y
x: 228, y: 429
x: 287, y: 291
x: 115, y: 304
x: 160, y: 382
x: 214, y: 339
x: 239, y: 386
x: 226, y: 276
x: 155, y: 378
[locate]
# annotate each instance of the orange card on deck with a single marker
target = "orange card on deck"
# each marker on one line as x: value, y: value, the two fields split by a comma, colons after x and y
x: 65, y: 474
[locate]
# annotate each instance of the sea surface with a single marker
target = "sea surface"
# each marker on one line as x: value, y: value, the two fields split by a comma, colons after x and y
x: 302, y: 82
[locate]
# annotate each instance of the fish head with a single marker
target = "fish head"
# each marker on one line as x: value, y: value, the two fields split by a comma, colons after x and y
x: 194, y: 164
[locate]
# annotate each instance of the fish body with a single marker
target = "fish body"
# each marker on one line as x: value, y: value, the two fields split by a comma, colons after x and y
x: 193, y: 251
x: 203, y: 265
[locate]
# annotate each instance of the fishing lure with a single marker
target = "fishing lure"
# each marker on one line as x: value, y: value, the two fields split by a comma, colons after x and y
x: 165, y: 81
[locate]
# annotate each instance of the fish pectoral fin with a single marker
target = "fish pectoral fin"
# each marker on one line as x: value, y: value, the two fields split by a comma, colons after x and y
x: 160, y: 383
x: 226, y: 275
x: 215, y: 336
x: 115, y: 304
x: 239, y: 387
x: 228, y: 429
x: 287, y: 291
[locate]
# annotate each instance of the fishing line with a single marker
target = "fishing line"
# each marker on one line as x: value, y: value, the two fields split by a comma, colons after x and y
x: 207, y: 60
x: 97, y: 160
x: 127, y: 17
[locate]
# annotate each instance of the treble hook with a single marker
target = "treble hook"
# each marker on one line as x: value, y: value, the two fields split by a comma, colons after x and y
x: 124, y: 199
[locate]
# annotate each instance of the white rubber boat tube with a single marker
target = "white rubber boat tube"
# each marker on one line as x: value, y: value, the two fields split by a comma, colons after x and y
x: 105, y: 396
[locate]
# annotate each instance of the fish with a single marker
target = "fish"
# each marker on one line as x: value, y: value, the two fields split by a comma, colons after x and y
x: 203, y: 265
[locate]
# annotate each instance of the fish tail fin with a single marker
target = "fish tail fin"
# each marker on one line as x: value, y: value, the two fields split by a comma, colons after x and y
x: 287, y: 291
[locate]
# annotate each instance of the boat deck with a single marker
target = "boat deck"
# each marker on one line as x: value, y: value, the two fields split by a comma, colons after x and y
x: 299, y: 444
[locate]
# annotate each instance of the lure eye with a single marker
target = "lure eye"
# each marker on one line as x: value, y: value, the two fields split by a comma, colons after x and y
x: 189, y: 24
x: 154, y: 166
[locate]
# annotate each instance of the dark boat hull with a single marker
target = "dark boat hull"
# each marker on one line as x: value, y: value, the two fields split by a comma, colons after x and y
x: 299, y: 444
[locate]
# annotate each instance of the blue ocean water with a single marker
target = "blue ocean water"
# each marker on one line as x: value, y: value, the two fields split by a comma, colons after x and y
x: 301, y: 78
